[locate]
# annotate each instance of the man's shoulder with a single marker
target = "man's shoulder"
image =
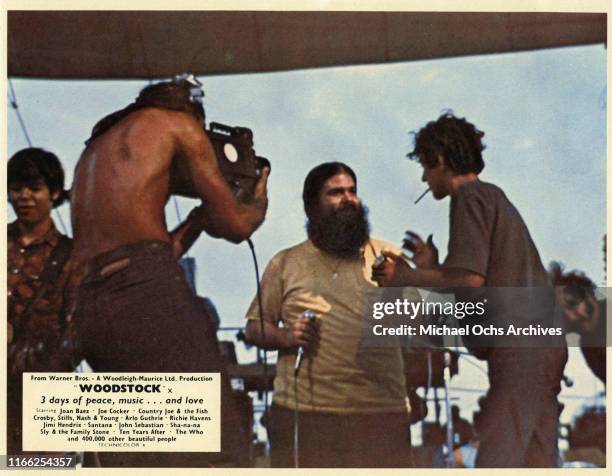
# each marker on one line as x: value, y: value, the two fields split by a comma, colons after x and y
x: 289, y: 257
x: 486, y: 194
x: 164, y: 116
x: 478, y: 188
x: 131, y: 123
x: 300, y: 249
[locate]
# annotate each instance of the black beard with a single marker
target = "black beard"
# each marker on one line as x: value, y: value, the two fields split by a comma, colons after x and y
x: 341, y: 232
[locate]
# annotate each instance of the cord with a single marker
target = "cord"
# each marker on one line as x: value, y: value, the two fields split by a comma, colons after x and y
x: 13, y: 104
x: 262, y: 329
x: 296, y: 426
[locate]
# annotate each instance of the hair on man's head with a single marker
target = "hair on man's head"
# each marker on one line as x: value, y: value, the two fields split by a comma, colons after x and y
x: 32, y: 164
x: 313, y: 184
x: 173, y: 95
x: 574, y: 282
x: 458, y: 141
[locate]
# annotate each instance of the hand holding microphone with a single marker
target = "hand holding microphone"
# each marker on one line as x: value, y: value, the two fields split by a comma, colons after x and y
x: 304, y: 333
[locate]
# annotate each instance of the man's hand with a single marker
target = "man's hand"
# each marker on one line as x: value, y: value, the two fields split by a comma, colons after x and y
x: 224, y: 215
x: 256, y: 210
x: 304, y: 333
x: 424, y: 254
x: 393, y: 271
x: 184, y: 235
x: 260, y: 194
x: 261, y: 187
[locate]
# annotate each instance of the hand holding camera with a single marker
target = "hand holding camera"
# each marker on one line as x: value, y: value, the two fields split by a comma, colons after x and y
x: 237, y: 161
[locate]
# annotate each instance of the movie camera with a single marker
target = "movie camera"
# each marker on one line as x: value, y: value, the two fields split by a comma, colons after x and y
x: 233, y: 147
x: 237, y: 161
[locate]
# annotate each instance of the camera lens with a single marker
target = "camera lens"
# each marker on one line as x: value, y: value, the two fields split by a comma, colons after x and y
x: 230, y: 152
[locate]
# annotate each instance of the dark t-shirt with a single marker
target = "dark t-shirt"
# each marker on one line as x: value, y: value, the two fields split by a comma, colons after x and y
x: 488, y: 237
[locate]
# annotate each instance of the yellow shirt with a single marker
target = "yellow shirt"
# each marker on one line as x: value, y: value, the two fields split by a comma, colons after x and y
x: 342, y: 377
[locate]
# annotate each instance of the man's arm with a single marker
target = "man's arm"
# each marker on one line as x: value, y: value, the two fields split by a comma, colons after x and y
x: 223, y: 216
x: 185, y: 235
x: 275, y: 337
x: 302, y: 333
x: 471, y: 228
x: 394, y: 271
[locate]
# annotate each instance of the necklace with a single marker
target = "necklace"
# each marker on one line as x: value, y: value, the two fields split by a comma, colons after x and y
x: 325, y: 258
x: 334, y: 269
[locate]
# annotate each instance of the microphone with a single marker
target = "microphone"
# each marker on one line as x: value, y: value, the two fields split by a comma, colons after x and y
x: 310, y: 315
x: 447, y: 365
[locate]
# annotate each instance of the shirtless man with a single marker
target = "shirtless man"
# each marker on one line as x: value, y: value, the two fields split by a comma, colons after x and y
x: 135, y: 311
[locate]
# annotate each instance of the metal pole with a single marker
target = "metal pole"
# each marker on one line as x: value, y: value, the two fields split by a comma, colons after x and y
x: 450, y: 457
x: 296, y: 427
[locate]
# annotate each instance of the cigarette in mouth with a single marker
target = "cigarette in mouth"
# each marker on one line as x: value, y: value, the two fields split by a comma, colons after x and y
x: 421, y: 196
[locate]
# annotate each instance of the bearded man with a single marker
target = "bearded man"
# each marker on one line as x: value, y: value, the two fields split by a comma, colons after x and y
x: 351, y: 414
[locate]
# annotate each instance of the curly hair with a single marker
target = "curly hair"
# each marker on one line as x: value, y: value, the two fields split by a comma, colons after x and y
x: 575, y: 282
x: 173, y: 95
x: 32, y: 164
x: 455, y: 139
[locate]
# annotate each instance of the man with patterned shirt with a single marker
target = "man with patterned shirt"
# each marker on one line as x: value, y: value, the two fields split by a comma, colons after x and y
x: 40, y: 294
x: 351, y: 401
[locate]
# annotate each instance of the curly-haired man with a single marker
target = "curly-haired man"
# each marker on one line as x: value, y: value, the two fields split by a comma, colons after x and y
x: 489, y: 245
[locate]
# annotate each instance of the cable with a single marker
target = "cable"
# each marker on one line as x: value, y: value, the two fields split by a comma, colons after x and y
x: 310, y: 315
x: 262, y: 329
x: 13, y: 102
x: 176, y: 209
x: 296, y: 426
x: 259, y: 301
x: 450, y: 457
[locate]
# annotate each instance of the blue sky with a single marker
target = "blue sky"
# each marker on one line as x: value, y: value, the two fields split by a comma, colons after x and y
x: 543, y: 114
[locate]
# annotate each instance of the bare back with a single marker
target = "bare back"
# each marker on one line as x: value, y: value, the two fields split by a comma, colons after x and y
x: 121, y: 182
